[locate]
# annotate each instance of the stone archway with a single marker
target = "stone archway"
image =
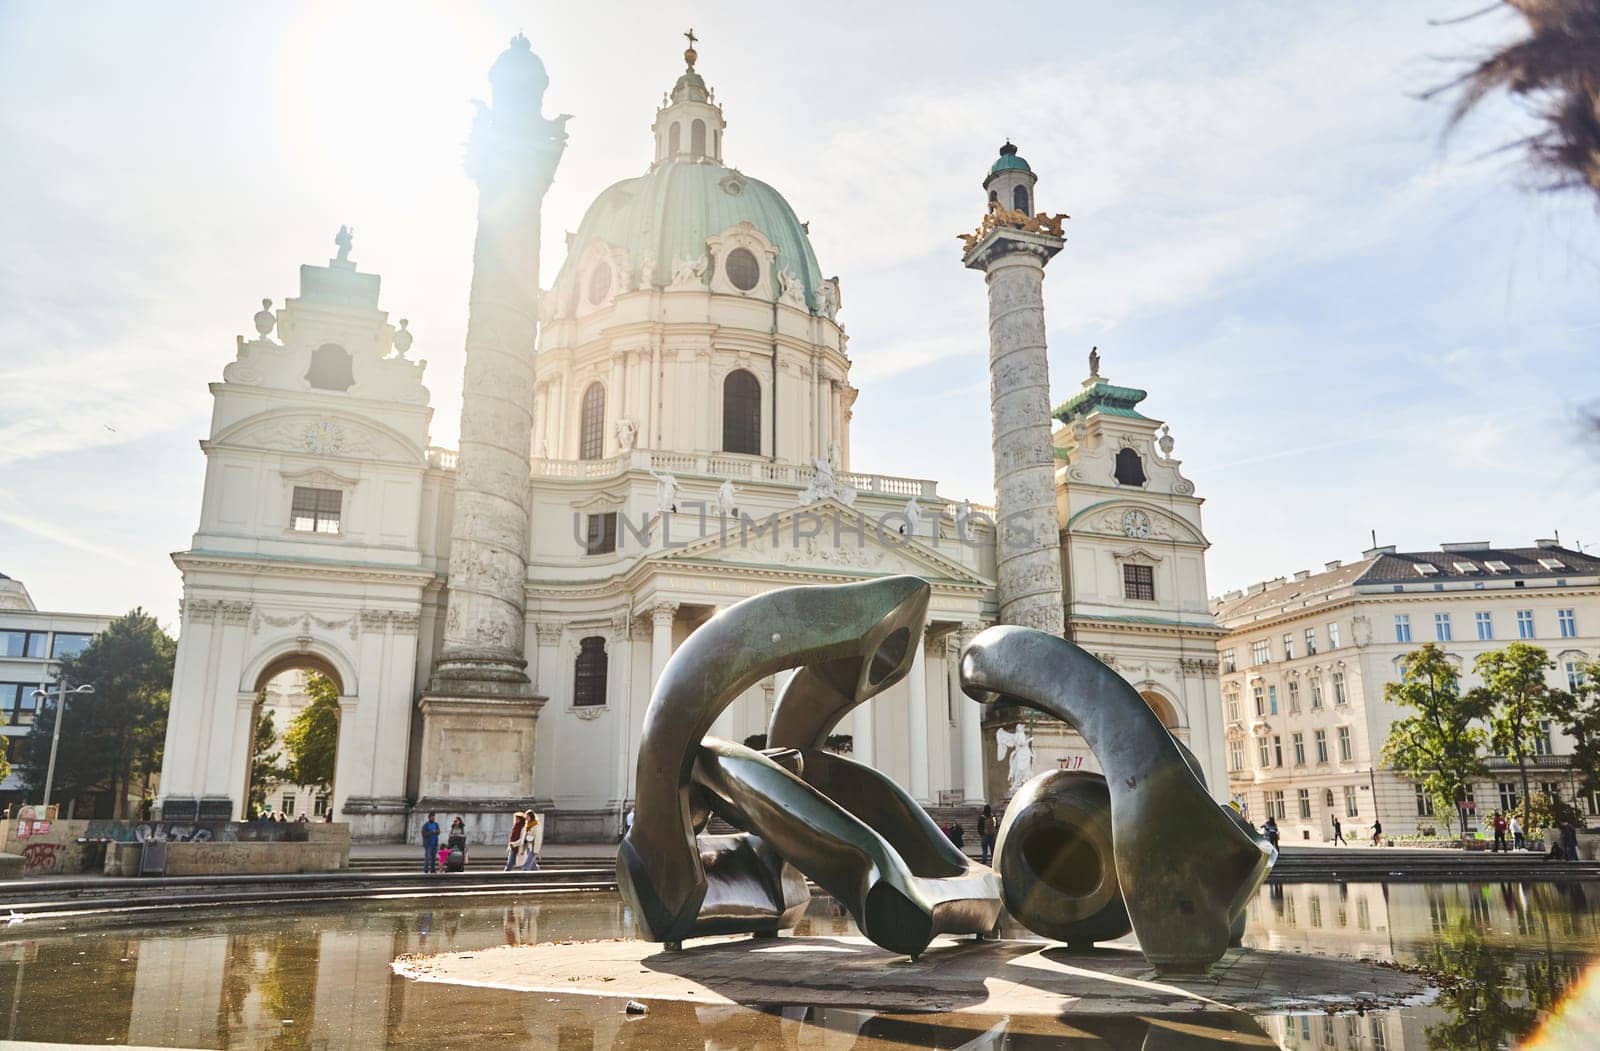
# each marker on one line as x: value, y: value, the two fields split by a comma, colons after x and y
x: 1165, y: 710
x: 286, y: 686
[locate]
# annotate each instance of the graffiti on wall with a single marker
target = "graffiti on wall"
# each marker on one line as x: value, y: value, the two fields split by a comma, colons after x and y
x: 43, y: 858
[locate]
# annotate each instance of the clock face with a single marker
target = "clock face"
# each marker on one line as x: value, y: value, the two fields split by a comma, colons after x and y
x: 1135, y: 524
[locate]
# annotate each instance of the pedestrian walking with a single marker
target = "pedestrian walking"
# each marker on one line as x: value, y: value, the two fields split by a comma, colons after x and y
x: 1569, y: 840
x: 1517, y: 840
x: 1338, y: 832
x: 1270, y: 830
x: 430, y: 844
x: 988, y: 829
x: 1377, y: 833
x: 532, y: 841
x: 1498, y: 822
x: 514, y: 841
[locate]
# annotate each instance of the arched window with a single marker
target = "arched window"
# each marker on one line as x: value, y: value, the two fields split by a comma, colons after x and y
x: 674, y: 139
x: 697, y: 138
x: 1130, y: 469
x: 741, y: 413
x: 592, y: 423
x: 1019, y: 198
x: 589, y: 673
x: 330, y: 368
x: 994, y: 195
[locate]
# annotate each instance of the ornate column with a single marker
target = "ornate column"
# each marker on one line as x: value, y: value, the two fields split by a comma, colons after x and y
x: 661, y: 617
x: 1012, y: 247
x: 480, y: 684
x: 970, y: 719
x: 917, y: 681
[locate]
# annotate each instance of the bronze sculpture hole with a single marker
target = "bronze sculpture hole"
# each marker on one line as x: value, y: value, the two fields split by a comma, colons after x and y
x: 889, y: 655
x: 1063, y: 858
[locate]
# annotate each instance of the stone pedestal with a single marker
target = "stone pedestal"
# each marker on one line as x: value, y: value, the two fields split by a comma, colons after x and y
x: 477, y: 764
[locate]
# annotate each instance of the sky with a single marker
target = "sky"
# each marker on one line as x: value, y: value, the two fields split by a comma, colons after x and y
x: 1352, y: 323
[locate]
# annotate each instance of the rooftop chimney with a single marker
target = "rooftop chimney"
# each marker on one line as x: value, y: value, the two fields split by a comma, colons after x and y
x: 1301, y: 574
x: 1329, y: 567
x: 1547, y: 542
x: 1374, y: 552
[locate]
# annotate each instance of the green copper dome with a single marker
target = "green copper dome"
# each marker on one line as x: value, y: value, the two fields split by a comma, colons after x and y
x: 1009, y: 161
x: 667, y: 214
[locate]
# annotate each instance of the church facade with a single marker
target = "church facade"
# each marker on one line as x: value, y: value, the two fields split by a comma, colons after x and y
x: 679, y: 441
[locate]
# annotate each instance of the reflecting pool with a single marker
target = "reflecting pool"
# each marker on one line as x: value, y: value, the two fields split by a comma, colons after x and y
x: 319, y: 977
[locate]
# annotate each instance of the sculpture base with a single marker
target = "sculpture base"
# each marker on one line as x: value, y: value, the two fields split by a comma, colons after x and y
x: 984, y: 977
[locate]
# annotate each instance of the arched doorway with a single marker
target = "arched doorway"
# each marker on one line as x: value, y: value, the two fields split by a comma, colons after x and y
x: 294, y: 740
x: 1165, y: 710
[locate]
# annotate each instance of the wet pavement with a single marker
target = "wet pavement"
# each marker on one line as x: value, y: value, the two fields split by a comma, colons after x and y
x: 1509, y: 960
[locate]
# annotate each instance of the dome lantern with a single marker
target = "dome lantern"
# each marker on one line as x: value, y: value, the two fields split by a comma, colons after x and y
x: 1010, y: 181
x: 689, y: 125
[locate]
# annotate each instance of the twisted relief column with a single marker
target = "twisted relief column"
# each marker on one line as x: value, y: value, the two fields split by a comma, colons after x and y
x: 480, y: 709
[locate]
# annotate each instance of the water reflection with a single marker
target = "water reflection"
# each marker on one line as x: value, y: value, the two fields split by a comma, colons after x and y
x: 320, y: 977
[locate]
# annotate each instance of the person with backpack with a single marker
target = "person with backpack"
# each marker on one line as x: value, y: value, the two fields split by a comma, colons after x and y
x: 988, y: 829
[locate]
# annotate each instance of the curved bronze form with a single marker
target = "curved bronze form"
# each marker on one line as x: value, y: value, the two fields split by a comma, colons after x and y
x: 858, y: 634
x: 1057, y: 859
x: 1186, y: 868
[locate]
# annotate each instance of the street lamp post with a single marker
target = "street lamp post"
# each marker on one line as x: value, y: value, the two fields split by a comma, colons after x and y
x: 62, y: 693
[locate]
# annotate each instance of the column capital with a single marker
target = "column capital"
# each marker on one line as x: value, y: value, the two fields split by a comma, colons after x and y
x: 662, y: 614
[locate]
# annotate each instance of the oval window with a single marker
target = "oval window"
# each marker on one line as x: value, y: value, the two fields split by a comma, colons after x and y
x: 742, y: 268
x: 599, y: 283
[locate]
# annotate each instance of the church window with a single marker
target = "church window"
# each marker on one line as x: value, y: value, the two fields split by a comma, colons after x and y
x: 994, y: 195
x: 1130, y: 469
x: 1019, y: 198
x: 697, y: 138
x: 599, y: 283
x: 592, y: 423
x: 1138, y: 582
x: 330, y: 368
x: 674, y: 139
x: 589, y: 673
x: 742, y: 269
x: 741, y: 413
x: 600, y: 534
x: 315, y: 510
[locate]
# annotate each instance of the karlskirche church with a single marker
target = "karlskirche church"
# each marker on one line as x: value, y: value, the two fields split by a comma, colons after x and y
x: 660, y: 432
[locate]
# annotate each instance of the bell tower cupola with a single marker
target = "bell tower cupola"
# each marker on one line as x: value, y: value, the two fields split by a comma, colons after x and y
x: 1010, y: 181
x: 689, y: 124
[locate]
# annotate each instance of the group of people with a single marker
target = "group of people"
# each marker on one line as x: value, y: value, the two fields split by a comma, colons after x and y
x: 1565, y: 848
x: 1502, y: 825
x: 523, y: 846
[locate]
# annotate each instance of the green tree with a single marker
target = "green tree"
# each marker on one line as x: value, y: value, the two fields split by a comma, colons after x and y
x: 1578, y: 715
x: 267, y: 768
x: 112, y: 737
x: 1439, y: 747
x: 313, y: 737
x: 1515, y: 692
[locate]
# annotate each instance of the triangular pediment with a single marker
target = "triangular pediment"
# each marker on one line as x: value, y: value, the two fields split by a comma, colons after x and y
x: 827, y: 538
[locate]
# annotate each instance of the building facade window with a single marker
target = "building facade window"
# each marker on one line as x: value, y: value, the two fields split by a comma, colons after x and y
x: 1299, y: 749
x: 1275, y: 807
x: 1311, y: 642
x: 1508, y: 796
x: 1263, y: 754
x: 1129, y: 469
x: 600, y: 534
x: 1316, y: 692
x: 742, y: 269
x: 589, y: 673
x: 1277, y: 750
x: 592, y: 422
x: 1304, y: 795
x: 1019, y: 200
x: 1272, y: 700
x: 315, y: 510
x: 1260, y: 652
x: 1333, y: 636
x: 1260, y: 694
x: 69, y: 643
x: 1339, y: 695
x: 1139, y: 582
x: 741, y: 413
x: 1402, y: 627
x: 17, y: 704
x: 1441, y: 627
x: 1294, y: 696
x: 1235, y: 756
x: 1484, y: 619
x: 1288, y: 645
x: 1424, y: 801
x: 330, y: 368
x: 1232, y: 700
x: 1345, y: 754
x: 1228, y: 662
x: 1352, y: 807
x: 23, y: 643
x: 1525, y: 624
x: 697, y: 138
x: 1321, y: 737
x: 1568, y: 621
x: 1576, y: 680
x: 1541, y: 739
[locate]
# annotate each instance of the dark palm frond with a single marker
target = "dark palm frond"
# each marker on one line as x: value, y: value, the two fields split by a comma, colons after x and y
x: 1555, y: 67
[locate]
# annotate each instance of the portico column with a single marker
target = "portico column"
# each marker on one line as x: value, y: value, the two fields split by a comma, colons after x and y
x: 970, y: 718
x: 861, y: 744
x: 918, y: 682
x: 344, y: 756
x: 661, y: 617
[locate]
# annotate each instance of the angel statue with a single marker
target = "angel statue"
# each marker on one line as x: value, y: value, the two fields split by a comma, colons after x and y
x: 627, y: 434
x: 725, y: 499
x: 1017, y: 742
x: 666, y: 491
